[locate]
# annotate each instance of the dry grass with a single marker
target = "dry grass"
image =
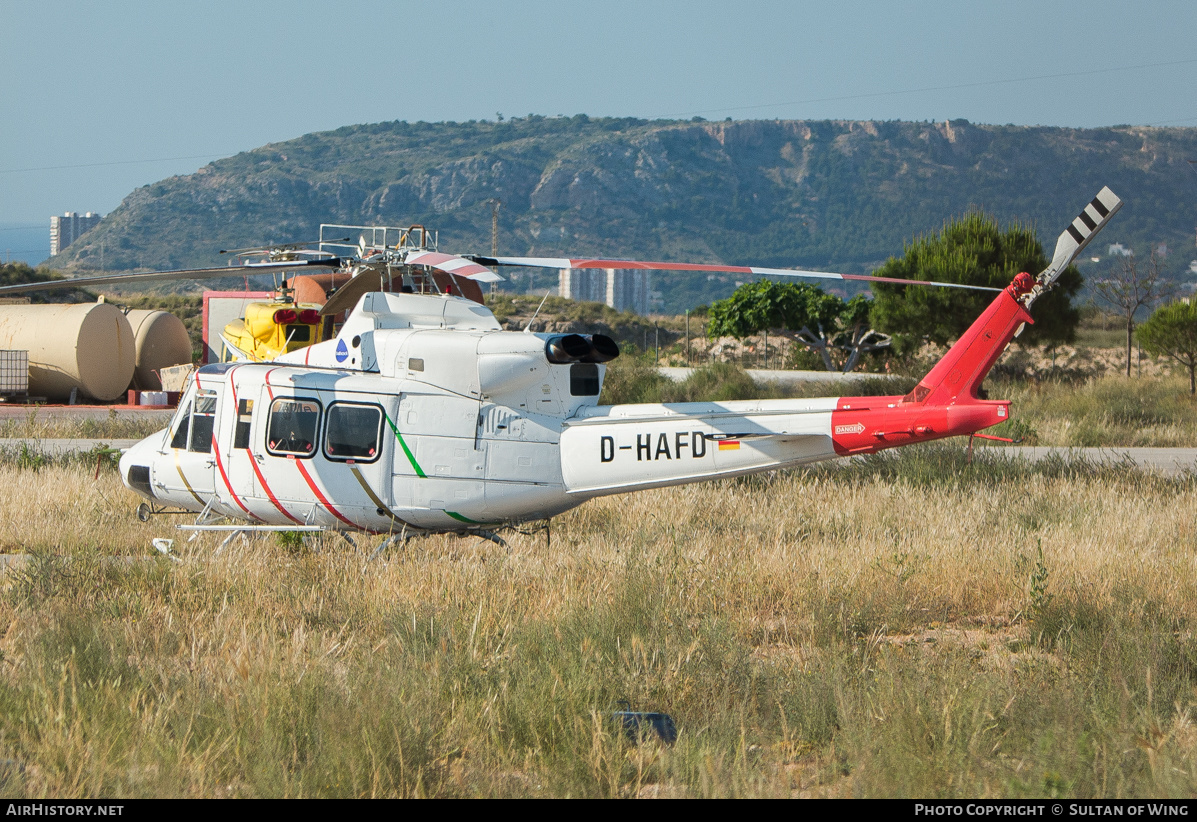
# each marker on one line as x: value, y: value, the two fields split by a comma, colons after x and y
x: 914, y: 626
x: 1106, y: 411
x: 40, y: 423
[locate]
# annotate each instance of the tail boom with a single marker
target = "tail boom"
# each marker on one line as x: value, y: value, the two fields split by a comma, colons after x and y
x: 945, y: 403
x: 611, y: 449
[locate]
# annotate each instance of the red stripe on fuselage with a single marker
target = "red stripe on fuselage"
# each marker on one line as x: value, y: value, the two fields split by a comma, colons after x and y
x: 228, y: 485
x: 253, y: 463
x: 323, y: 500
x: 216, y: 453
x: 307, y: 477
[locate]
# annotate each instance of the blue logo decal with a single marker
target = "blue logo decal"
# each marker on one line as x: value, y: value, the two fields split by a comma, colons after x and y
x: 342, y: 351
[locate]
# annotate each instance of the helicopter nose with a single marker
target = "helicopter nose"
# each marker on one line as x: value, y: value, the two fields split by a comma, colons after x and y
x: 135, y: 470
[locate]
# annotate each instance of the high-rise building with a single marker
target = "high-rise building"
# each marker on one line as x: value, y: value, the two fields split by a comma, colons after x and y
x: 66, y: 229
x: 622, y: 290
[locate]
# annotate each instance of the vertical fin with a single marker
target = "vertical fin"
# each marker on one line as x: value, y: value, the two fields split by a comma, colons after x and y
x: 959, y: 375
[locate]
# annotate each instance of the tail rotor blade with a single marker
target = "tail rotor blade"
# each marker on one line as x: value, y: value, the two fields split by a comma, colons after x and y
x: 1092, y: 219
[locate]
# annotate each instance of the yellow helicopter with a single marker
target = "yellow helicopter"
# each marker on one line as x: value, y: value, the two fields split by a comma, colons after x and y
x: 309, y: 308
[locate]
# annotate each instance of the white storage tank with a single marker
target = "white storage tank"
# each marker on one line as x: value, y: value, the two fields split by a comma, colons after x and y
x: 87, y: 346
x: 160, y: 340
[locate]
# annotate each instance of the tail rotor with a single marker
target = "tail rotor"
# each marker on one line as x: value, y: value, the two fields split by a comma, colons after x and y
x: 1072, y: 242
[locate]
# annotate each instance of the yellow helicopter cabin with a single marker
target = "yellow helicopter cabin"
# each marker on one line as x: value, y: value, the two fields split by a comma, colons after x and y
x: 271, y: 329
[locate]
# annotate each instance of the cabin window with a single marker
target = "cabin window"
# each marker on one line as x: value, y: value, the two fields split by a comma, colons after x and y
x: 245, y: 412
x: 584, y: 379
x: 354, y: 432
x: 203, y: 420
x: 292, y: 428
x: 179, y: 440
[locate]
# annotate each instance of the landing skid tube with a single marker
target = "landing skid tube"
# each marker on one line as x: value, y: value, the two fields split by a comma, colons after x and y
x: 489, y: 535
x: 406, y: 535
x: 242, y: 530
x: 401, y: 538
x: 147, y: 510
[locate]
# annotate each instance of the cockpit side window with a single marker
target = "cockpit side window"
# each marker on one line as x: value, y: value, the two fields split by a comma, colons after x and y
x: 203, y: 419
x: 179, y: 440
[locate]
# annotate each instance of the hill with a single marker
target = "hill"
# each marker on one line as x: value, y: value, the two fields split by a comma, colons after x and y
x: 836, y: 194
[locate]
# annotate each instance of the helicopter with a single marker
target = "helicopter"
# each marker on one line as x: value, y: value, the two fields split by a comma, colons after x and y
x: 421, y: 415
x: 299, y: 313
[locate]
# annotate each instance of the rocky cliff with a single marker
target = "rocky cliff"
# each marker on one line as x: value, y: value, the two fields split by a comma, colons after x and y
x: 835, y: 194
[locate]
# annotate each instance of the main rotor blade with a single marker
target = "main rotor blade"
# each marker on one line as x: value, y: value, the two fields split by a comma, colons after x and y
x: 658, y: 265
x: 1092, y: 219
x: 181, y: 274
x: 450, y: 264
x: 264, y: 249
x: 346, y: 296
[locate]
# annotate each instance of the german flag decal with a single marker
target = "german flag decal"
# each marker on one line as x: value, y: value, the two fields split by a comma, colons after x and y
x: 729, y: 445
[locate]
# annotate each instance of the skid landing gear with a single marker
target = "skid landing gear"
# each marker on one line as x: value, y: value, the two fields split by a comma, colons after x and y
x: 490, y: 535
x: 401, y: 538
x: 146, y: 510
x: 406, y: 535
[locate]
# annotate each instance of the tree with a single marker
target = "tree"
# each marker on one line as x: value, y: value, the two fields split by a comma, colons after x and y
x: 22, y: 274
x: 971, y: 250
x: 1131, y: 289
x: 1172, y: 331
x: 806, y: 314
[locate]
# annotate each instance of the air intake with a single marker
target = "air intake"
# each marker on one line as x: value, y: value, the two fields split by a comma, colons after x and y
x: 566, y: 349
x: 602, y: 349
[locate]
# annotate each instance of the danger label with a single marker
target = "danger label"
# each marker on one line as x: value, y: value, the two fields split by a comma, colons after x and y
x: 855, y: 428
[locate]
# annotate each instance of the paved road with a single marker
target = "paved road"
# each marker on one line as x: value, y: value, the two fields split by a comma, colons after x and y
x: 59, y: 447
x: 9, y: 411
x: 1170, y: 461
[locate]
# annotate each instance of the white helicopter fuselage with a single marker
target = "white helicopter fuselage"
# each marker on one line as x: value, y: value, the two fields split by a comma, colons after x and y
x: 424, y: 414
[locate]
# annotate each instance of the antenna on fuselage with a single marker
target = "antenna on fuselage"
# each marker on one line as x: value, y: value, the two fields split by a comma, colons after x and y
x: 528, y: 327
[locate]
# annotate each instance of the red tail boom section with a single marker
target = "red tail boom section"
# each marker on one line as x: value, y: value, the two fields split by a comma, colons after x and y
x: 945, y: 403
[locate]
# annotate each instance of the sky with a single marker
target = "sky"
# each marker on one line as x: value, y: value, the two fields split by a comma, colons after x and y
x: 97, y: 99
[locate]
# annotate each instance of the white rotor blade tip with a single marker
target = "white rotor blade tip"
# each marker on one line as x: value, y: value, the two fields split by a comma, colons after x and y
x: 1084, y: 228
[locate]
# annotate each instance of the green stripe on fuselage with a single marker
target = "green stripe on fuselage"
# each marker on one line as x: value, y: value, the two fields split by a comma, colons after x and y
x: 410, y: 456
x: 467, y: 520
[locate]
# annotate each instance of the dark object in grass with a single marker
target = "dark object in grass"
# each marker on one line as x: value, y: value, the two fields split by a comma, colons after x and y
x: 640, y: 724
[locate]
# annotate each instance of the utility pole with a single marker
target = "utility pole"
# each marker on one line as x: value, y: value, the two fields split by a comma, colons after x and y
x: 495, y: 204
x: 687, y: 336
